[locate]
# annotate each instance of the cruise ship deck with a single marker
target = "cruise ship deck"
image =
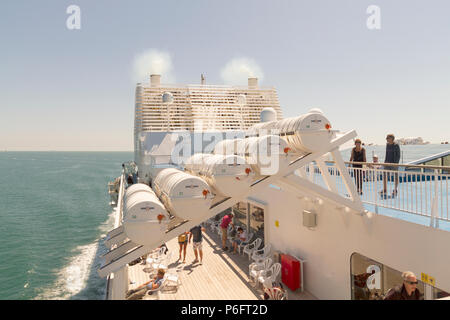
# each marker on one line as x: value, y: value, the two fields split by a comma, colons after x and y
x: 222, y: 276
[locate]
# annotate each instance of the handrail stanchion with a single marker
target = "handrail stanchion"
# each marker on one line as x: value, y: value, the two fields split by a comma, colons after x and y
x: 434, y: 208
x: 376, y: 191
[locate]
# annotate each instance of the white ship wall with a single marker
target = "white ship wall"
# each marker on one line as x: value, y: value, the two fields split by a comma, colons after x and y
x: 327, y: 249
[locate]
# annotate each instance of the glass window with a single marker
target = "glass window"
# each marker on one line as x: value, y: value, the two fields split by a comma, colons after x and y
x: 366, y: 275
x: 257, y: 221
x: 372, y: 280
x: 240, y: 214
x: 438, y: 294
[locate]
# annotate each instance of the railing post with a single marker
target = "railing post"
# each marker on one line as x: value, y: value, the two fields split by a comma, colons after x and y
x: 434, y: 221
x: 375, y: 189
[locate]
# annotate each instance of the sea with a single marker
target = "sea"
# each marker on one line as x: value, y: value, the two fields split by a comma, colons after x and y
x: 408, y: 153
x: 54, y: 214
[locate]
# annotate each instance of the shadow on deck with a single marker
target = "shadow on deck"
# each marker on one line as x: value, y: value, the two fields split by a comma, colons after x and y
x: 221, y: 276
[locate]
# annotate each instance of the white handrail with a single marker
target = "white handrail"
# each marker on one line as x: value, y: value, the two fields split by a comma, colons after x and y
x: 118, y: 220
x: 417, y: 192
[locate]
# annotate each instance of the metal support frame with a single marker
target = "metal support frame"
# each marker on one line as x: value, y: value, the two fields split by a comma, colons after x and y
x: 119, y: 257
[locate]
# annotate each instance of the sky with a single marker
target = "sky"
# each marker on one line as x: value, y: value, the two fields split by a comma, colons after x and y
x: 73, y: 89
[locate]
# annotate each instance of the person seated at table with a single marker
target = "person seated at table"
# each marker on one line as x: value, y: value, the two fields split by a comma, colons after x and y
x: 241, y: 237
x: 139, y: 292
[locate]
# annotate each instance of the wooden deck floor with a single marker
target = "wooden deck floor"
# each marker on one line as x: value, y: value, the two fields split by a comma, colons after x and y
x: 222, y: 276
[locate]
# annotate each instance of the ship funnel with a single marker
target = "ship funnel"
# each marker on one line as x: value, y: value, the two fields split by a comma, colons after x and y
x: 155, y: 80
x: 252, y: 82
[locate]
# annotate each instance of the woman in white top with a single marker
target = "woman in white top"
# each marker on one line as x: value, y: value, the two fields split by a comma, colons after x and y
x: 241, y: 237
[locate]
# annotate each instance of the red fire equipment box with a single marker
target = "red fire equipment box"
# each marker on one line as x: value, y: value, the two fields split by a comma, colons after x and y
x: 290, y: 272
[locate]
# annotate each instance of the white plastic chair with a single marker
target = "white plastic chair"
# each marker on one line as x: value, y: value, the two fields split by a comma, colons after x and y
x: 267, y: 277
x: 216, y: 227
x: 155, y: 256
x: 213, y: 226
x: 251, y: 247
x: 162, y: 263
x: 157, y: 290
x: 276, y: 293
x: 255, y: 269
x: 261, y: 254
x: 208, y: 223
x: 172, y: 280
x: 219, y: 230
x: 244, y: 243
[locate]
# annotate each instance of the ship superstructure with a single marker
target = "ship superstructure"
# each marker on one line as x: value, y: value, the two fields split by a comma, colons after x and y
x: 161, y: 110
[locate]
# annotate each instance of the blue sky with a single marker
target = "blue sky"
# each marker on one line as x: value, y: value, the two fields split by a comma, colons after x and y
x: 66, y: 89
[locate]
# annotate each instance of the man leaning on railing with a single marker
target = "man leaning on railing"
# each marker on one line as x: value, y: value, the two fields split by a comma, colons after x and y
x: 392, y: 156
x: 358, y: 155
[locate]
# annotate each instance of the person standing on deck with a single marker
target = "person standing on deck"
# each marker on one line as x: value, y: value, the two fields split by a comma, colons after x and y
x: 183, y: 241
x: 226, y: 221
x: 358, y: 155
x: 196, y: 234
x: 392, y: 156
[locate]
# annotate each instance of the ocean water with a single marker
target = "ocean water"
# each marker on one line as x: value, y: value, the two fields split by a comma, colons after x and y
x: 408, y: 152
x: 53, y: 214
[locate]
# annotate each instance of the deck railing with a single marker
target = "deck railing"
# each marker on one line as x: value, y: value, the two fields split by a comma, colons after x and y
x: 417, y: 189
x: 120, y: 200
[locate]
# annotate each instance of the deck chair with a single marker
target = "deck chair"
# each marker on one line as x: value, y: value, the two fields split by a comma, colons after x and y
x: 155, y: 292
x: 155, y: 256
x: 261, y: 254
x: 255, y: 269
x: 172, y: 281
x: 162, y: 263
x: 244, y: 243
x: 215, y: 227
x: 266, y: 278
x: 251, y: 247
x: 208, y: 223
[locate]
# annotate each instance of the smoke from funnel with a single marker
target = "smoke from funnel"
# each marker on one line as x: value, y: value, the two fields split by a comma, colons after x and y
x: 150, y: 62
x: 238, y: 70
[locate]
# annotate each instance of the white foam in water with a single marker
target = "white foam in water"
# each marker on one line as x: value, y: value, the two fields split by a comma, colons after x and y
x: 74, y: 277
